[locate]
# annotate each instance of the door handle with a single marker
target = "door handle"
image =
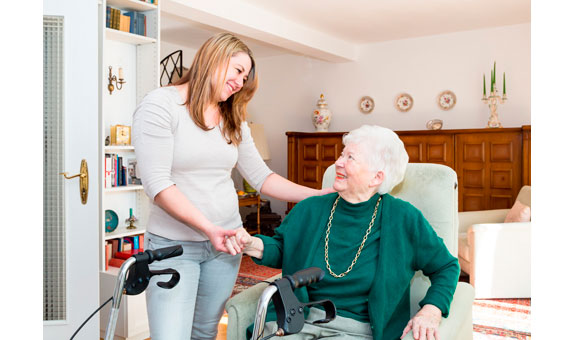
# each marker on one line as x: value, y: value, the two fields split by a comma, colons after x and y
x: 84, y: 180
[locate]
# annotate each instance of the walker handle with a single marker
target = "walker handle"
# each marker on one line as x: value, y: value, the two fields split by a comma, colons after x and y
x: 305, y: 277
x: 164, y: 253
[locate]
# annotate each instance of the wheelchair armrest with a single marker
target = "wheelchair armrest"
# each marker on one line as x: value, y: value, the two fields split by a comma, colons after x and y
x: 241, y: 309
x: 459, y: 324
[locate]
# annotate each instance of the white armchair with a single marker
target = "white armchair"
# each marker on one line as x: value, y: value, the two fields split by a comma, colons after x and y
x: 496, y: 255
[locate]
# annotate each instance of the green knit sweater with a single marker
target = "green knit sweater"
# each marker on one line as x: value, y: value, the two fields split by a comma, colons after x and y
x: 407, y: 243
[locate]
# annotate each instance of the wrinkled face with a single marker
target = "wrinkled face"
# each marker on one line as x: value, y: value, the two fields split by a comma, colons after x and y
x: 237, y: 74
x: 353, y: 175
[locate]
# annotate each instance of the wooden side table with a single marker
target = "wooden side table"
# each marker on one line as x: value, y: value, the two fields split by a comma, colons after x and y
x: 248, y: 200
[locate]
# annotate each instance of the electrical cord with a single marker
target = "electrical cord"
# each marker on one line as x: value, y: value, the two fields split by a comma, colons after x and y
x: 96, y: 311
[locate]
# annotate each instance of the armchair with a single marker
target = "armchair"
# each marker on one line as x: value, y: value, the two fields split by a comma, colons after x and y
x: 496, y: 255
x: 432, y: 189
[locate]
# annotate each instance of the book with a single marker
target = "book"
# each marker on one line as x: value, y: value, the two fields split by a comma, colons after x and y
x: 141, y: 25
x: 108, y: 15
x: 133, y: 20
x: 115, y: 246
x: 108, y: 253
x: 107, y: 171
x: 127, y: 254
x: 141, y: 237
x: 116, y: 262
x: 125, y: 23
x: 136, y: 242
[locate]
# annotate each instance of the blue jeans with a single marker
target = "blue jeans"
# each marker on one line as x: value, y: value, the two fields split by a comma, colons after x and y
x: 192, y: 309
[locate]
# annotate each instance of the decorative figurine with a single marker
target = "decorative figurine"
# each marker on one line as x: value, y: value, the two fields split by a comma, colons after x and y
x: 321, y: 116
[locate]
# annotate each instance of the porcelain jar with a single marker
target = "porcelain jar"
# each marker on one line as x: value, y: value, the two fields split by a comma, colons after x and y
x: 321, y: 115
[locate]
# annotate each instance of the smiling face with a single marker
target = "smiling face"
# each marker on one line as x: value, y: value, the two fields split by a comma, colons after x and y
x: 354, y: 180
x: 237, y: 73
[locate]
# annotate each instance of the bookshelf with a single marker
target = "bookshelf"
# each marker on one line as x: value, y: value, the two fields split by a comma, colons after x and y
x: 139, y: 57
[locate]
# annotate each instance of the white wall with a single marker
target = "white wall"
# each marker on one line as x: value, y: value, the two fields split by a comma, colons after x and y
x: 290, y: 85
x: 423, y: 67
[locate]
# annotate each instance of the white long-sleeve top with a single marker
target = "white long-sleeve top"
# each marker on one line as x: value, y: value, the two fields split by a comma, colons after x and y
x: 172, y: 150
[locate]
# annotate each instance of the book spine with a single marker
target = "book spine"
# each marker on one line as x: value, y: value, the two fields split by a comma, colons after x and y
x: 108, y: 13
x: 118, y: 14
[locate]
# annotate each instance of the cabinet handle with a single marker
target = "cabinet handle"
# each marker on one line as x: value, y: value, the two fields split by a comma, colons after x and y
x: 84, y: 180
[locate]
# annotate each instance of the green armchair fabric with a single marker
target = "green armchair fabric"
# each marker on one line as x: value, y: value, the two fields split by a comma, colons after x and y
x: 432, y: 188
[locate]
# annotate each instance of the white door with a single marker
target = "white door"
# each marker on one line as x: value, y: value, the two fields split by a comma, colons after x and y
x: 80, y: 141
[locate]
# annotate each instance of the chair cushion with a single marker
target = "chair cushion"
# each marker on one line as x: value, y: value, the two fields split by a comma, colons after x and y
x: 463, y: 247
x: 518, y: 213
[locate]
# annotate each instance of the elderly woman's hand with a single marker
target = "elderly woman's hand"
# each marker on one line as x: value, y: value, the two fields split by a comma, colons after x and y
x: 425, y: 324
x: 252, y: 246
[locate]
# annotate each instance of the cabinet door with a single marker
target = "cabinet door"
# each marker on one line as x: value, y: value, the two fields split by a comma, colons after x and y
x: 315, y: 155
x: 488, y: 167
x: 436, y: 149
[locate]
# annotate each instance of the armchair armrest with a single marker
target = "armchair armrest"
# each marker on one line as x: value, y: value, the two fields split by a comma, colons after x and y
x: 459, y: 324
x: 241, y: 309
x: 468, y: 218
x: 501, y: 254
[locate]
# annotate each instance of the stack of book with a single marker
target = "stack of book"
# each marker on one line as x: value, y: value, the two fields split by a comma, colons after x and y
x: 116, y: 171
x: 132, y: 22
x: 120, y: 249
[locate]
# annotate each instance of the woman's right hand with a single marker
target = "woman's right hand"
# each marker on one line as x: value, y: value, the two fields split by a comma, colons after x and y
x: 220, y: 239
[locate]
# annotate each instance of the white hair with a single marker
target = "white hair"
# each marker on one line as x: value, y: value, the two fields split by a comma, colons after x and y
x: 383, y: 151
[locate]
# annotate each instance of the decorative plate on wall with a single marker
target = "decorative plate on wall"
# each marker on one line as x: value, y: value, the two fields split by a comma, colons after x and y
x: 366, y: 104
x: 446, y: 100
x: 403, y: 102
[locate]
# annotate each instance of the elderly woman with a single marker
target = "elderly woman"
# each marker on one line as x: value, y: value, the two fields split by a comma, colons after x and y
x: 369, y: 242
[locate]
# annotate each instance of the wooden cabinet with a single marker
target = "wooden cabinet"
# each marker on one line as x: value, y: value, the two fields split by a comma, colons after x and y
x: 488, y: 167
x: 491, y: 164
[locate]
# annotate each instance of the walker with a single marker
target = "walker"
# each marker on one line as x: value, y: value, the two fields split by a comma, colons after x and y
x: 289, y: 310
x: 133, y: 279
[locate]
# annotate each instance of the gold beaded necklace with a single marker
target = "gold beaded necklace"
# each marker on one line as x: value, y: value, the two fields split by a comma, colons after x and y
x: 360, y: 246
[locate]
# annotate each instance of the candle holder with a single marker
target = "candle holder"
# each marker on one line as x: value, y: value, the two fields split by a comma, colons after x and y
x: 131, y: 220
x: 112, y: 79
x: 493, y: 99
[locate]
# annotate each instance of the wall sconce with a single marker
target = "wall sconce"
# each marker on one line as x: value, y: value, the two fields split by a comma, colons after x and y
x: 111, y: 79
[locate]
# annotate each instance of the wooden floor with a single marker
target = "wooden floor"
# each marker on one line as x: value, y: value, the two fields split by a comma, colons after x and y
x: 222, y: 327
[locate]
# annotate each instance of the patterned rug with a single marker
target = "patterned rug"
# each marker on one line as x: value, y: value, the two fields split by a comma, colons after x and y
x: 498, y: 319
x: 251, y: 274
x: 493, y: 319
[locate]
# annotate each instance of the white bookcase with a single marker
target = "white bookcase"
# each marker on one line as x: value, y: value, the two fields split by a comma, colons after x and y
x: 139, y: 57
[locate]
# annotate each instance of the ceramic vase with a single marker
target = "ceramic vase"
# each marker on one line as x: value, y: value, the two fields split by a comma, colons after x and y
x: 321, y: 115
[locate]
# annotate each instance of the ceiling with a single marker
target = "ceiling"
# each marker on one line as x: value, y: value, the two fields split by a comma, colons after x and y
x: 330, y: 29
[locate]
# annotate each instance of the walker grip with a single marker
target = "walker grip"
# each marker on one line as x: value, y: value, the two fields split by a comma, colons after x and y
x: 164, y: 253
x: 305, y: 277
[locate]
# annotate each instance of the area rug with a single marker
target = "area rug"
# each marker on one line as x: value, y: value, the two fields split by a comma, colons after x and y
x: 498, y: 319
x: 251, y: 274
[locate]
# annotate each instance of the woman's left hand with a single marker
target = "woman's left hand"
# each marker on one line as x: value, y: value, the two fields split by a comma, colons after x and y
x: 425, y: 324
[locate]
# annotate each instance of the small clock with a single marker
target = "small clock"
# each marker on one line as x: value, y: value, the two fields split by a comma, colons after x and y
x: 446, y: 100
x: 366, y: 104
x: 111, y: 220
x: 403, y: 102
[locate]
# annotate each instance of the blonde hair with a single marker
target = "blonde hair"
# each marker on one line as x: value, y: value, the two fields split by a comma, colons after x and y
x: 212, y: 56
x: 383, y: 151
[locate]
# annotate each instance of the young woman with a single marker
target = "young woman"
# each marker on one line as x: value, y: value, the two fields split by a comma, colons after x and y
x: 188, y: 138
